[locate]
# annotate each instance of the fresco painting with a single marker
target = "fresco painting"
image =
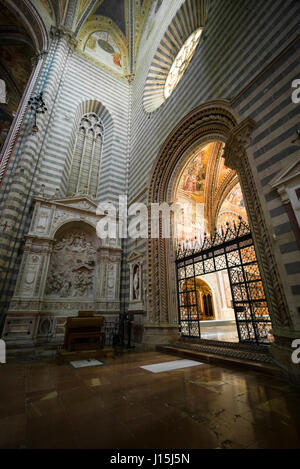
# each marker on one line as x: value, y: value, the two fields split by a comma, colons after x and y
x: 47, y: 7
x: 102, y: 47
x: 191, y: 191
x: 233, y: 207
x: 193, y: 178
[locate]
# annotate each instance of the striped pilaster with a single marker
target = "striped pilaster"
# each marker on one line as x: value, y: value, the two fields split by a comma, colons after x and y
x: 23, y: 179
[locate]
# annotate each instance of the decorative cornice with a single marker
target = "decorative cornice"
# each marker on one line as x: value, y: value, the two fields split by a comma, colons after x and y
x: 288, y: 174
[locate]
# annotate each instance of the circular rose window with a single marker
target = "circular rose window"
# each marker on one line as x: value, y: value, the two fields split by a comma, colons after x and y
x: 174, y: 53
x: 181, y: 62
x: 165, y: 73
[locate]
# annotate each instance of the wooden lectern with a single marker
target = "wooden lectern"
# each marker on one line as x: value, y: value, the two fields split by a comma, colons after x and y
x: 84, y: 332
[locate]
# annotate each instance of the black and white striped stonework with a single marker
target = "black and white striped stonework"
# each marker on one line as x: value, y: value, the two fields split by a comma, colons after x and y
x: 22, y: 179
x: 190, y: 17
x: 86, y: 87
x: 241, y: 39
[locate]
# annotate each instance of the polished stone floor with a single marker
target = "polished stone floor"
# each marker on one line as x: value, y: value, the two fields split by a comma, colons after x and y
x: 120, y: 405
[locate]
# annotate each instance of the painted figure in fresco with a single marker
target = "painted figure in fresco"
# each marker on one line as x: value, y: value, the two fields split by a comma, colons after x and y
x: 194, y: 176
x: 101, y: 46
x: 199, y: 185
x: 235, y: 196
x: 190, y: 182
x: 117, y: 59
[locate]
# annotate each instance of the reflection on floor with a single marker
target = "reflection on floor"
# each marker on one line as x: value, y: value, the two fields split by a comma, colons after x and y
x: 120, y: 405
x: 222, y: 333
x: 170, y: 366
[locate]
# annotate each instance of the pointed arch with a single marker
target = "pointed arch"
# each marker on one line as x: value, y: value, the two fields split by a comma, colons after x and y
x: 212, y: 121
x: 98, y: 146
x: 32, y: 21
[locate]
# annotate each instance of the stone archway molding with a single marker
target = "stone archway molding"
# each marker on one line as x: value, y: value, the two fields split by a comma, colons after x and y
x: 209, y: 122
x: 236, y: 157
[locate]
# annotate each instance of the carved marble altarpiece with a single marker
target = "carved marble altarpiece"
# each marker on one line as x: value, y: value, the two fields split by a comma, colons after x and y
x: 65, y: 269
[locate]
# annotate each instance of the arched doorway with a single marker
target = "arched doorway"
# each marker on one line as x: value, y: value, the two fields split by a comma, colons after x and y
x: 205, y: 311
x: 212, y: 122
x: 214, y: 196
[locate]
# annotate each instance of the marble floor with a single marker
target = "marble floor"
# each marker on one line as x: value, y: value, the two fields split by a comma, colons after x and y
x: 120, y: 405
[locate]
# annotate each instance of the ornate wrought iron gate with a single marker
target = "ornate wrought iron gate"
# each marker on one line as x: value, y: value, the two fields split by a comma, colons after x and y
x: 234, y: 251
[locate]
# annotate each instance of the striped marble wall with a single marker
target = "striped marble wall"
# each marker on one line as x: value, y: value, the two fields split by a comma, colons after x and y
x: 247, y: 55
x: 84, y: 83
x: 86, y: 86
x: 241, y: 38
x: 268, y: 102
x: 70, y: 85
x: 22, y: 177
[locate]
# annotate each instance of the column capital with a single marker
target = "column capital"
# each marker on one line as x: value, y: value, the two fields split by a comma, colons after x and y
x: 63, y: 32
x: 238, y: 141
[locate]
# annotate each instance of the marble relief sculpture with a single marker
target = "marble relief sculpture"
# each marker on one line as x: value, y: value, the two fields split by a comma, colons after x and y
x: 72, y: 267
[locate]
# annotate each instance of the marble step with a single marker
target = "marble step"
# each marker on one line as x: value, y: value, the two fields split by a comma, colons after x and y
x: 225, y: 356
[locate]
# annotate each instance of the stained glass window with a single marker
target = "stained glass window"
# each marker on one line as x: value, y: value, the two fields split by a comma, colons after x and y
x: 181, y: 62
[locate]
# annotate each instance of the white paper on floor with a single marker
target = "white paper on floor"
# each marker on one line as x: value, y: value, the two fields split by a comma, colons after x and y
x: 85, y: 363
x: 169, y: 366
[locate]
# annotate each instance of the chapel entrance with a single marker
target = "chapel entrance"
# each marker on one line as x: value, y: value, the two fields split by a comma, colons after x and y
x: 233, y: 252
x: 204, y: 298
x: 220, y: 289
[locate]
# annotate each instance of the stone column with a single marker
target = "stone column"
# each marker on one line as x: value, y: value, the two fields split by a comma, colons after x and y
x: 19, y: 189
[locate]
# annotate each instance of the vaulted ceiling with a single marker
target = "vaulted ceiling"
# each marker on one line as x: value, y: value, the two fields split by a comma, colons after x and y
x: 16, y: 52
x: 103, y: 27
x: 204, y: 179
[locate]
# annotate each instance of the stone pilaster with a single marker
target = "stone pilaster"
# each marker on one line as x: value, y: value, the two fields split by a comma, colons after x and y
x: 236, y: 158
